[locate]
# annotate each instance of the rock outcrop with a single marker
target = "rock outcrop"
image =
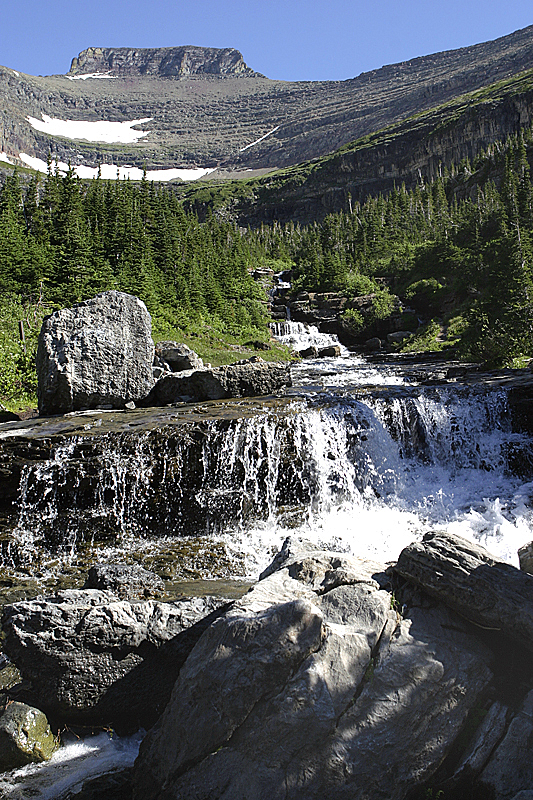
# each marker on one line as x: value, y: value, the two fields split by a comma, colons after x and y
x: 98, y: 353
x: 96, y: 659
x: 163, y: 62
x: 311, y: 686
x: 251, y: 378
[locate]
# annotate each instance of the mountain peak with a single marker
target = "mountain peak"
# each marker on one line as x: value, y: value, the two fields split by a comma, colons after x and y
x: 163, y: 62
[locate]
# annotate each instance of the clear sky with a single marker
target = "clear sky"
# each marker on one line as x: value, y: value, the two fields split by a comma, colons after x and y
x: 284, y: 39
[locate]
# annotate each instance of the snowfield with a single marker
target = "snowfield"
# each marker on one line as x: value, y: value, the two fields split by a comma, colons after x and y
x: 261, y: 139
x: 90, y: 75
x: 108, y: 132
x: 112, y: 171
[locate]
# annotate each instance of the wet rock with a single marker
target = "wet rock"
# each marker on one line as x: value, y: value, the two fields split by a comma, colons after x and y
x: 246, y: 379
x: 178, y: 357
x: 525, y: 557
x: 329, y: 352
x: 125, y: 580
x: 311, y: 686
x: 467, y: 578
x: 96, y: 659
x: 98, y: 353
x: 25, y: 737
x: 308, y: 352
x: 373, y: 344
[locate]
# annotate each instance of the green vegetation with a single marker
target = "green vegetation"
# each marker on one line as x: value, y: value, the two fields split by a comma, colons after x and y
x: 63, y: 241
x: 457, y: 252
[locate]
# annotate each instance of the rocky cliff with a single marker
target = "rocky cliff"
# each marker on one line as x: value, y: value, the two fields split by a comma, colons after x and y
x: 168, y: 62
x: 206, y: 108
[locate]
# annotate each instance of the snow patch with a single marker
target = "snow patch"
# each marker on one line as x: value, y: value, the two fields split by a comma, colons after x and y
x: 112, y: 171
x: 108, y: 132
x: 261, y: 139
x: 5, y: 158
x: 90, y: 75
x: 16, y: 73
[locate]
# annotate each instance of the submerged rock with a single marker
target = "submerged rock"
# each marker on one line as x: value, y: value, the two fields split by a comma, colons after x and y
x: 245, y: 379
x: 96, y: 659
x: 98, y: 353
x: 25, y: 737
x: 312, y: 686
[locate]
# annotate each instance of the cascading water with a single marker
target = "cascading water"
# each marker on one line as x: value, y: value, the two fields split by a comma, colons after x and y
x: 355, y: 458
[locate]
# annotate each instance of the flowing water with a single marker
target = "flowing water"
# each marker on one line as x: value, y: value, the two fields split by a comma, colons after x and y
x: 354, y: 457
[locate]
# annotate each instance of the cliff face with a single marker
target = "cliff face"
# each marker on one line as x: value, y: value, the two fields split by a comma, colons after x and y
x: 412, y: 151
x: 167, y: 62
x: 208, y: 109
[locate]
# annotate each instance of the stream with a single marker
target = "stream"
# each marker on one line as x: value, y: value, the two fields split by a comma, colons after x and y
x: 357, y: 456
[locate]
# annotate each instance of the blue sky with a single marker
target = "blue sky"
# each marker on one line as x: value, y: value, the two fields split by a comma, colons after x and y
x: 283, y: 39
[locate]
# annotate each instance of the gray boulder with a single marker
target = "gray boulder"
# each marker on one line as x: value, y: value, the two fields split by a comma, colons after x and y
x: 25, y: 737
x: 467, y: 578
x: 177, y: 357
x: 525, y: 556
x: 243, y: 379
x: 312, y: 686
x: 94, y: 658
x: 125, y: 580
x: 98, y: 353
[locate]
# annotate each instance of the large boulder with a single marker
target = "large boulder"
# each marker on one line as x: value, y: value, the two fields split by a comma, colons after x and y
x: 313, y: 686
x: 94, y: 658
x: 25, y: 737
x: 467, y: 578
x: 98, y: 353
x: 244, y: 379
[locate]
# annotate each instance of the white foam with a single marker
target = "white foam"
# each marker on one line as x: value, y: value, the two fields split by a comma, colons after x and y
x: 101, y: 131
x: 70, y: 767
x: 90, y: 75
x: 260, y: 140
x: 112, y: 171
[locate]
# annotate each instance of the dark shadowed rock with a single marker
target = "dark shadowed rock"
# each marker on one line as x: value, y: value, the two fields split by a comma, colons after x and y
x: 329, y: 352
x: 177, y: 356
x: 525, y: 556
x: 93, y: 658
x: 467, y: 578
x: 308, y: 352
x: 245, y: 379
x: 98, y: 353
x: 125, y: 580
x: 510, y: 768
x: 312, y: 687
x: 25, y: 737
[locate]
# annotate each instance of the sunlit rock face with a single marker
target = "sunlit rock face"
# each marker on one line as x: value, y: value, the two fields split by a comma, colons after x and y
x: 98, y: 353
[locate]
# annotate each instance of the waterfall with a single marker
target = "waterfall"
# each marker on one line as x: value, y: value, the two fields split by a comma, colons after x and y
x: 359, y: 471
x: 299, y: 336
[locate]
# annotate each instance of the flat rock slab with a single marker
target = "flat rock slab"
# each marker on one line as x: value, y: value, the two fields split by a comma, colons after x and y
x: 97, y: 353
x: 467, y: 578
x: 93, y: 658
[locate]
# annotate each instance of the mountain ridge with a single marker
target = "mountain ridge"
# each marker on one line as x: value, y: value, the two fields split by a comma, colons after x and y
x: 208, y: 109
